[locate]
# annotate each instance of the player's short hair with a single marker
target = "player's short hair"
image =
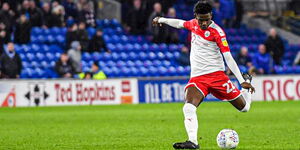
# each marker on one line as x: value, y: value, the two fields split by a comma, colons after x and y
x: 96, y: 64
x: 202, y: 7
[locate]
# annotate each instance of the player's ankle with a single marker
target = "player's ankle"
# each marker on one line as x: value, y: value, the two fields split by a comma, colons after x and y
x: 194, y: 141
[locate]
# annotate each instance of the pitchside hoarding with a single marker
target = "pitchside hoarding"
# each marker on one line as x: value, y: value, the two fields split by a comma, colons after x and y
x: 15, y: 93
x: 282, y: 88
x: 268, y: 88
x: 68, y: 92
x: 164, y: 91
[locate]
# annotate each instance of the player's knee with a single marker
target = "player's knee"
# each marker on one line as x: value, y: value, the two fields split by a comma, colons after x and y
x: 189, y: 108
x: 246, y: 108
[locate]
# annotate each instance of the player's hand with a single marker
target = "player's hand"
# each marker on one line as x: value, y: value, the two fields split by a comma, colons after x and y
x: 155, y: 22
x: 248, y: 86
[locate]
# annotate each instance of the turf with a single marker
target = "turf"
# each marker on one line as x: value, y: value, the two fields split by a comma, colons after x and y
x: 269, y: 125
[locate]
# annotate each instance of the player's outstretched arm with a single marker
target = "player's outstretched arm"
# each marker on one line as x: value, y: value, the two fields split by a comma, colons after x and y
x: 176, y: 23
x: 236, y: 71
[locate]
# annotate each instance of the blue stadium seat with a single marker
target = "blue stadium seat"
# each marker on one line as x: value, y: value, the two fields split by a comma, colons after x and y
x: 124, y: 39
x: 106, y: 23
x: 27, y: 73
x: 152, y: 56
x: 86, y: 56
x: 154, y: 47
x: 55, y: 31
x: 102, y: 64
x: 171, y: 71
x: 26, y: 64
x: 23, y: 56
x: 46, y: 32
x: 161, y: 56
x: 123, y: 56
x: 128, y: 47
x: 35, y: 47
x: 166, y: 63
x: 142, y: 56
x: 115, y: 23
x: 130, y: 63
x: 35, y: 31
x: 111, y: 47
x: 40, y: 39
x: 121, y: 63
x: 45, y: 48
x: 119, y: 31
x: 116, y: 39
x: 163, y: 47
x: 180, y: 71
x: 162, y: 71
x: 148, y: 63
x: 119, y: 47
x: 39, y: 73
x: 145, y: 47
x: 157, y: 63
x: 111, y: 63
x: 35, y: 64
x: 57, y: 55
x: 45, y: 65
x: 143, y: 72
x: 50, y: 57
x: 134, y: 72
x: 30, y: 57
x: 98, y: 56
x: 173, y: 48
x: 187, y: 70
x: 153, y: 71
x: 137, y: 47
x: 107, y: 71
x: 115, y: 72
x: 125, y: 72
x: 52, y: 64
x: 40, y: 56
x: 169, y: 55
x: 50, y: 39
x: 132, y: 56
x: 138, y: 63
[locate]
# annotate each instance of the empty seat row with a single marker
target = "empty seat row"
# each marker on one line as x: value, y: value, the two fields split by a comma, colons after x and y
x: 144, y: 47
x: 130, y: 56
x: 34, y: 48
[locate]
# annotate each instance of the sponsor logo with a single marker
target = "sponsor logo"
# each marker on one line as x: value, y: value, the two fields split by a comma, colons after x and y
x: 10, y: 99
x: 224, y: 41
x: 207, y: 34
x: 126, y: 86
x: 84, y: 93
x: 221, y: 33
x: 36, y: 93
x: 195, y: 27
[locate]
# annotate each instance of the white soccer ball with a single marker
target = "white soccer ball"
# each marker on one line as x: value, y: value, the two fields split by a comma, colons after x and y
x: 228, y: 139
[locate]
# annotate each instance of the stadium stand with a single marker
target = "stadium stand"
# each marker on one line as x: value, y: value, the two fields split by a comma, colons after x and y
x: 131, y: 56
x: 134, y: 55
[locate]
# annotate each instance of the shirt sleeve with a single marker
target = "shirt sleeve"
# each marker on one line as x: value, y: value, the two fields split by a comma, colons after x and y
x: 221, y: 40
x: 188, y: 24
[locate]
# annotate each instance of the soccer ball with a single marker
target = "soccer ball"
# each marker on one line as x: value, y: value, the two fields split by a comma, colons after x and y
x: 227, y: 139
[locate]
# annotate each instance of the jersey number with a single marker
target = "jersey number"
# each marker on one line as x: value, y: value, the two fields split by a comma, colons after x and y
x: 230, y: 87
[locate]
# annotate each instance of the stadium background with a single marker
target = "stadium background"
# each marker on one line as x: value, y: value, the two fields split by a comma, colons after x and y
x: 142, y: 65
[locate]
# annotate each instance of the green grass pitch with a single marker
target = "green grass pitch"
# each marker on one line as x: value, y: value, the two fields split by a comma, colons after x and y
x: 268, y: 125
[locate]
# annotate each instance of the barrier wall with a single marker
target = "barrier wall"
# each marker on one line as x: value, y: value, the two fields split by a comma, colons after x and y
x: 164, y: 91
x: 129, y: 91
x: 269, y: 88
x: 68, y: 92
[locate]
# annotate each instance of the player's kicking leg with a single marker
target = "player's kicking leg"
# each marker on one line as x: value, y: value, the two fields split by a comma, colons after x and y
x: 243, y: 102
x: 193, y: 99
